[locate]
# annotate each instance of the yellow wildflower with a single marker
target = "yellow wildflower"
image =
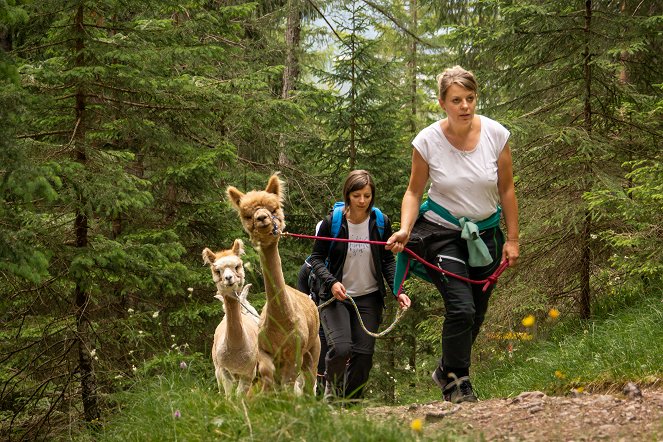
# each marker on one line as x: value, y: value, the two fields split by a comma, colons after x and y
x: 529, y: 320
x: 416, y: 424
x: 553, y: 313
x: 559, y: 374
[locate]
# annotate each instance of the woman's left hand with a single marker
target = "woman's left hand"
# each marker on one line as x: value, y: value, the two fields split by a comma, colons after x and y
x: 511, y: 252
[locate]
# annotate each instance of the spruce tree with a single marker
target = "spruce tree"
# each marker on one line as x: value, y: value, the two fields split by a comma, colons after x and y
x: 554, y: 75
x: 130, y: 124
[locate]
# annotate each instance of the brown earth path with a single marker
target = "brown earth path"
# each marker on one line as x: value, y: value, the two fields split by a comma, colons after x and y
x: 632, y: 415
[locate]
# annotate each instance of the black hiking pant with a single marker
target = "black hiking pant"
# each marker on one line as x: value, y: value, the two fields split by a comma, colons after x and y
x: 349, y: 357
x: 465, y: 303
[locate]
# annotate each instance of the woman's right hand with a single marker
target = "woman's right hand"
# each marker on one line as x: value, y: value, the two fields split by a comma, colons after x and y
x: 338, y: 291
x: 396, y: 242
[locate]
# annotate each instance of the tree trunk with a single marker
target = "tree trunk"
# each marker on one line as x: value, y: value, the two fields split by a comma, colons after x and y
x: 5, y: 40
x: 352, y: 147
x: 292, y: 40
x: 585, y: 294
x: 412, y: 357
x: 291, y: 70
x: 413, y: 70
x: 390, y: 391
x: 82, y: 297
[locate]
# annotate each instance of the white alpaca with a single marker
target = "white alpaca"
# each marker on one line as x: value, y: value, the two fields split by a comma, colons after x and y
x: 235, y: 347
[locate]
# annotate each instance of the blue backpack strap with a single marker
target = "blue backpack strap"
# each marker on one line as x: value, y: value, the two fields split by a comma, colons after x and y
x: 379, y: 220
x: 337, y: 218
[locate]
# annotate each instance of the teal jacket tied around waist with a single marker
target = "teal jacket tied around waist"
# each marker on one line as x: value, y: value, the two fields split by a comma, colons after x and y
x: 477, y: 250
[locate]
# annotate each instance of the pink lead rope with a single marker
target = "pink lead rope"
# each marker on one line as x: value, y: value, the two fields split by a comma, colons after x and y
x: 492, y: 279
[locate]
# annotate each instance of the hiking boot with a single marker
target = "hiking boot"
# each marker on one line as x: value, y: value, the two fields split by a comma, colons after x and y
x: 438, y: 378
x: 460, y: 390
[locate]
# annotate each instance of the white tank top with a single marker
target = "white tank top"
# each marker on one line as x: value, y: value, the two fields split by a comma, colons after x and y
x: 464, y: 183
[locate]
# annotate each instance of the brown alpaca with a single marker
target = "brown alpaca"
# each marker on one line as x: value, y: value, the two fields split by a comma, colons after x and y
x: 235, y: 347
x: 289, y: 341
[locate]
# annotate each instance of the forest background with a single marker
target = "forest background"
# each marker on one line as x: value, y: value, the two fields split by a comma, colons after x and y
x: 122, y: 122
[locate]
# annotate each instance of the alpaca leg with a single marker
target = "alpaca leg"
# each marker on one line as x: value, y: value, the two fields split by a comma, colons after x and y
x: 227, y: 381
x: 308, y: 373
x: 219, y: 378
x: 289, y: 374
x: 266, y: 369
x: 300, y: 384
x: 310, y: 365
x: 243, y: 386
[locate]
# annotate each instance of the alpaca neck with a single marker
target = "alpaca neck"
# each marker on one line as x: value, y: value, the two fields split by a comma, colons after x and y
x: 272, y: 272
x: 235, y: 328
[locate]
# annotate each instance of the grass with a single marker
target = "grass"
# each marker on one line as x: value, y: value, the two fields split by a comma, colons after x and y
x: 623, y: 344
x: 182, y: 406
x: 170, y: 403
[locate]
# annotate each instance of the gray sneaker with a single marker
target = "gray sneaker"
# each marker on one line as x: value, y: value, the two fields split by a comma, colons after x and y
x: 460, y: 390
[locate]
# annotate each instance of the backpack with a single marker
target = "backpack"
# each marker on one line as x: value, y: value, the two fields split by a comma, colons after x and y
x: 337, y: 218
x: 314, y: 283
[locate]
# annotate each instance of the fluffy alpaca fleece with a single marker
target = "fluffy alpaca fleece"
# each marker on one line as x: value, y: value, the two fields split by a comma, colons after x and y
x: 288, y: 341
x: 235, y: 347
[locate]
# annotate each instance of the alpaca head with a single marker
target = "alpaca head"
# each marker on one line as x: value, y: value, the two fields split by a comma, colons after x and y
x: 260, y: 211
x: 227, y: 267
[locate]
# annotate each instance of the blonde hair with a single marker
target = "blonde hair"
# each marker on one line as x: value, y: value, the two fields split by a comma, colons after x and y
x: 455, y: 75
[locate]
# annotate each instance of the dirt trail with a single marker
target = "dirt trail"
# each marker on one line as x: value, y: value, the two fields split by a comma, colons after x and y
x: 633, y: 415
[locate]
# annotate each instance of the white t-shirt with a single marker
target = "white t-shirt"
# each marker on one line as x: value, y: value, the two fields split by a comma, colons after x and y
x: 359, y: 275
x: 464, y: 183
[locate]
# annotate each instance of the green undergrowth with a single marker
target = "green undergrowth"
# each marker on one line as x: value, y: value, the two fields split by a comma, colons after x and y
x: 182, y: 405
x: 624, y: 342
x: 172, y: 401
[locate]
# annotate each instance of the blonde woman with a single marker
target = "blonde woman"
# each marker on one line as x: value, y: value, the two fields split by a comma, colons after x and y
x: 466, y: 158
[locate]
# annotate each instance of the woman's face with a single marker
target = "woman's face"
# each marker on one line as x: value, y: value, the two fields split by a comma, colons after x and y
x: 459, y: 104
x: 361, y: 199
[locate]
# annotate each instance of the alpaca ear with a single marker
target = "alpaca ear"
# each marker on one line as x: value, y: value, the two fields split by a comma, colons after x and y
x: 245, y: 292
x: 234, y: 195
x: 208, y: 256
x: 274, y: 185
x: 238, y: 247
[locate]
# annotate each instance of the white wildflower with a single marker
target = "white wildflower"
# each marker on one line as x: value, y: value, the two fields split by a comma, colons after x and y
x: 155, y: 314
x: 134, y: 369
x: 190, y: 290
x: 93, y: 353
x: 130, y: 311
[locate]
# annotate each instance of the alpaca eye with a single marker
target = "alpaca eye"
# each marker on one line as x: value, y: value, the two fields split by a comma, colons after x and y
x: 238, y: 267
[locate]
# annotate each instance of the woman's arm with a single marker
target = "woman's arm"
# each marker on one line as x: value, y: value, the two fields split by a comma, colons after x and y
x: 411, y: 201
x: 507, y: 191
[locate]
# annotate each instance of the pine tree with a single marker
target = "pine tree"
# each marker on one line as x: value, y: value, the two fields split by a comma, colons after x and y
x: 553, y: 74
x: 132, y: 118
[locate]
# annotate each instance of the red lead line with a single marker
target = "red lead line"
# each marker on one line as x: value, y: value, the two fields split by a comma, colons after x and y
x: 492, y: 279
